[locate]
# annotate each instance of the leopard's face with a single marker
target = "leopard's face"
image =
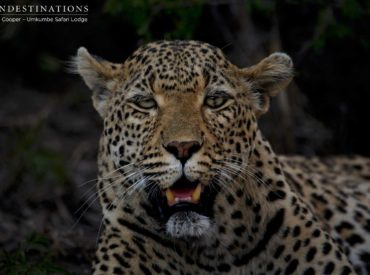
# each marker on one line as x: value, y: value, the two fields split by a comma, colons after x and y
x: 179, y: 123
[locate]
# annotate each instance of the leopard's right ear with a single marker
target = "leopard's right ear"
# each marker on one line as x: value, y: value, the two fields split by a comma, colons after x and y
x: 99, y: 75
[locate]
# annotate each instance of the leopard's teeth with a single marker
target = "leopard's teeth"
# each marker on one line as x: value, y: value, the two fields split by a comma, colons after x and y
x: 170, y: 197
x: 195, y: 197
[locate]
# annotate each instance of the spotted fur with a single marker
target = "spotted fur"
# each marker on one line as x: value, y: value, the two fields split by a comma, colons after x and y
x: 268, y: 214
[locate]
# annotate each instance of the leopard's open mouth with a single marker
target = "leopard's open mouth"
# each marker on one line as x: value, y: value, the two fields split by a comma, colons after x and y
x: 184, y: 196
x: 183, y: 191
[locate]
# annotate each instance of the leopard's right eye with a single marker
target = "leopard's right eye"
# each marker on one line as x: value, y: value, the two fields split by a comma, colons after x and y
x: 144, y: 102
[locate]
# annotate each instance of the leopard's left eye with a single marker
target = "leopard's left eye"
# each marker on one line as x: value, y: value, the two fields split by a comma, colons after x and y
x: 216, y: 101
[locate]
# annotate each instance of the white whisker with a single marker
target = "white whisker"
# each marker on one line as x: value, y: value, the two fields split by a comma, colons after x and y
x: 105, y: 176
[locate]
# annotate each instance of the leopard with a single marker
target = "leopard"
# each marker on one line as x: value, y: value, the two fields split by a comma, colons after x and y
x: 188, y: 184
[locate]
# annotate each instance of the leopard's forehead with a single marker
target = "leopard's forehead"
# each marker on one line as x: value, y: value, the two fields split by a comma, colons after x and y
x: 177, y: 65
x: 179, y: 53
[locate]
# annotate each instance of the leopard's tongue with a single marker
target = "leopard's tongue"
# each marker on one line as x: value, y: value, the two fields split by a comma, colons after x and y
x: 183, y: 195
x: 183, y: 192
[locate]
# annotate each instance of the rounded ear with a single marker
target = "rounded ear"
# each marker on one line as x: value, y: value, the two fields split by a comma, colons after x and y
x: 99, y: 75
x: 268, y: 78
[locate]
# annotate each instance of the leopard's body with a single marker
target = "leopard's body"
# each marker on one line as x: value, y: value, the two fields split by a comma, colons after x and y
x: 179, y: 119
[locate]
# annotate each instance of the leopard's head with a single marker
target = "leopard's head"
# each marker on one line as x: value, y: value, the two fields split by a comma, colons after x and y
x: 179, y: 122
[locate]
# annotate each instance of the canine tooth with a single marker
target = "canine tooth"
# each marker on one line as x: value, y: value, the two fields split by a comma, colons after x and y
x: 169, y: 195
x: 196, y: 194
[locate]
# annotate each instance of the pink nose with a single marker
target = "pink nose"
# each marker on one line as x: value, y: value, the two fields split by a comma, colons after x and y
x: 182, y: 150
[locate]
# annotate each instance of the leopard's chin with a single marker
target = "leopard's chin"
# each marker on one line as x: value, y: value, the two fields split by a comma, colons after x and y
x: 187, y: 225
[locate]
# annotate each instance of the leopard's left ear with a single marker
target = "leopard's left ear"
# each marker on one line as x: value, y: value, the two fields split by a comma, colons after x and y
x: 268, y: 78
x: 99, y: 75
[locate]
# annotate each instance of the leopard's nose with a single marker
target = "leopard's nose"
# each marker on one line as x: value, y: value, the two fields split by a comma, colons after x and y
x: 183, y: 150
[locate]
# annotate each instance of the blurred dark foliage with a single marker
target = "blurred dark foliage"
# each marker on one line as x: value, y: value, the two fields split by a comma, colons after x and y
x: 49, y: 130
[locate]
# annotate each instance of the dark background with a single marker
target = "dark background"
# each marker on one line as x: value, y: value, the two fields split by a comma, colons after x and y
x: 49, y: 130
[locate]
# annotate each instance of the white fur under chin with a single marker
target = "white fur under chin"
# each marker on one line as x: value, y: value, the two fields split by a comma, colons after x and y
x: 187, y: 224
